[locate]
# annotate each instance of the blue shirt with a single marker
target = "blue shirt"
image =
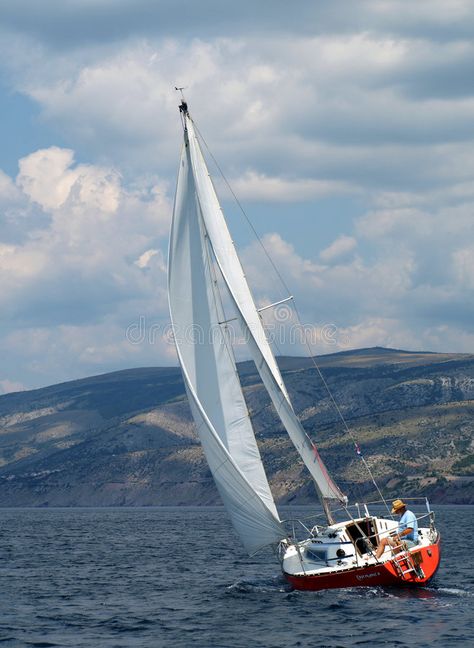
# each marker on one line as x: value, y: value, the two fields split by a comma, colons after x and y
x: 408, y: 521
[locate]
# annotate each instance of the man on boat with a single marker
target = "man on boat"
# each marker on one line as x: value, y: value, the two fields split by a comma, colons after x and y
x: 407, y: 530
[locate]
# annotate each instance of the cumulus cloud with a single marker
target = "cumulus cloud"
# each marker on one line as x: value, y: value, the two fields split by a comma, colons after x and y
x: 144, y: 259
x: 45, y: 176
x: 412, y: 290
x: 8, y: 386
x: 378, y: 331
x: 257, y: 186
x: 361, y: 112
x: 340, y: 247
x: 49, y: 178
x: 8, y: 191
x: 334, y: 110
x: 292, y: 268
x: 75, y: 284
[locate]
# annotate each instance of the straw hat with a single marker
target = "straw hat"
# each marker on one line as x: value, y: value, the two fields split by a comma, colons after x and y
x: 397, y: 505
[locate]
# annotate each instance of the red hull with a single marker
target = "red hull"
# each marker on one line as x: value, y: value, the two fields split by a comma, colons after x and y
x: 383, y: 574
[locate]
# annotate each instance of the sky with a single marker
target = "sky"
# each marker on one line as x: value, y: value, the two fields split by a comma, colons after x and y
x: 345, y: 128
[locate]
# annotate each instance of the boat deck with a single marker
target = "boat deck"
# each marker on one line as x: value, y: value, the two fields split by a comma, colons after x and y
x: 347, y: 546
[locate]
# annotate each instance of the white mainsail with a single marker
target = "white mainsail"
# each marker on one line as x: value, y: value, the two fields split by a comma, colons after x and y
x: 210, y: 373
x: 249, y: 318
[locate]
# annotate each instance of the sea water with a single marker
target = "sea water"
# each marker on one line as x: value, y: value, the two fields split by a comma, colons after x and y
x: 178, y: 577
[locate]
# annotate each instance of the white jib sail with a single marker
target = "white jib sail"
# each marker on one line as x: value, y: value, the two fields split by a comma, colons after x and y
x: 234, y: 277
x: 210, y: 374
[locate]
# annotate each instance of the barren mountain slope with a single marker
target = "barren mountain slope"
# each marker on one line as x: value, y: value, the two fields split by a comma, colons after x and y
x: 127, y: 438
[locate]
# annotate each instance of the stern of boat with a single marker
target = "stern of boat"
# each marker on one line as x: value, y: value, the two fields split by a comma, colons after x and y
x: 343, y: 555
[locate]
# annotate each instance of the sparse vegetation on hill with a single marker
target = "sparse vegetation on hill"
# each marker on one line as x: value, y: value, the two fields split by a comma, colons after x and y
x: 127, y: 438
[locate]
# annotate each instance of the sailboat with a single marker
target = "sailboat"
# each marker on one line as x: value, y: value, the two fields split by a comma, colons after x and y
x: 204, y: 272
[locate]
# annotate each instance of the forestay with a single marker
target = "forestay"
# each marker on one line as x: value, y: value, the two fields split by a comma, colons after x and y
x: 234, y: 278
x: 210, y: 373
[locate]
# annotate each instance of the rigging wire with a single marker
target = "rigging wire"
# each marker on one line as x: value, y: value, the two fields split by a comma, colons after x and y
x: 338, y: 410
x: 305, y: 333
x: 239, y: 204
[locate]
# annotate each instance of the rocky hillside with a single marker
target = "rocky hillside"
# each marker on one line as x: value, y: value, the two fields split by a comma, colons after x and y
x: 127, y: 438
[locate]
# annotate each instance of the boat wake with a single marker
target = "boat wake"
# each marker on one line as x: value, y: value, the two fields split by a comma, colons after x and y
x: 451, y: 591
x: 434, y: 593
x: 278, y: 585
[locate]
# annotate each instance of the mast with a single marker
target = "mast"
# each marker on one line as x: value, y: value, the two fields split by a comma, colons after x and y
x: 209, y: 369
x: 249, y: 318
